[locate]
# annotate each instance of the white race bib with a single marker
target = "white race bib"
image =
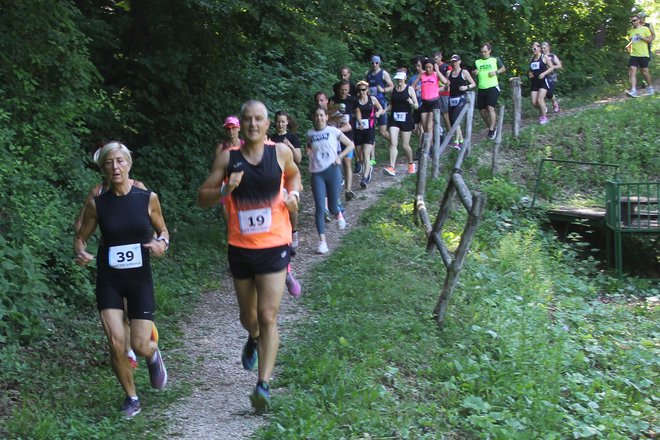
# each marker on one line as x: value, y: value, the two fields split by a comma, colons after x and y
x: 128, y: 256
x: 535, y: 65
x: 400, y: 116
x: 364, y: 123
x: 255, y: 221
x: 346, y: 119
x: 456, y: 100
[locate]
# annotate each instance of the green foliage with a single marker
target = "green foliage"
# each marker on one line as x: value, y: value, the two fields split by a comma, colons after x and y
x: 536, y: 345
x: 502, y: 193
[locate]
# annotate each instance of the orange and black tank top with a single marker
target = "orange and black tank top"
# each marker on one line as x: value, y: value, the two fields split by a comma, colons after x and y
x: 258, y: 217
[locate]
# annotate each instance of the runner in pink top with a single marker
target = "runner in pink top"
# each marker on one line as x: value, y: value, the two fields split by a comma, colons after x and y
x: 430, y: 80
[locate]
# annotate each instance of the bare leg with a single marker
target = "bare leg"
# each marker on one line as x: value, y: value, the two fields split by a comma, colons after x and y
x: 633, y: 78
x: 270, y: 288
x: 394, y: 143
x: 348, y: 173
x: 368, y: 150
x: 405, y: 143
x: 113, y: 325
x: 383, y: 132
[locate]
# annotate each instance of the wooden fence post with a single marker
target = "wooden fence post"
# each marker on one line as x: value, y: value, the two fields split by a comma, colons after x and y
x: 437, y: 134
x: 517, y: 105
x: 498, y: 140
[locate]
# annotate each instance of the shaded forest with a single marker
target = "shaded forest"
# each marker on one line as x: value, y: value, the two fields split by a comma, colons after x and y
x: 161, y: 75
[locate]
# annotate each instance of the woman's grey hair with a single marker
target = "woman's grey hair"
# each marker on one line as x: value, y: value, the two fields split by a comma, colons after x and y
x: 102, y: 153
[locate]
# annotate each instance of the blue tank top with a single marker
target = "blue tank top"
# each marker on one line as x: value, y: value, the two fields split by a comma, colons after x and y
x: 375, y: 80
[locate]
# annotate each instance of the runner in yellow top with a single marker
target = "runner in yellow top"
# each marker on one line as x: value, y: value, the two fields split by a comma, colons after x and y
x: 487, y: 69
x: 638, y: 47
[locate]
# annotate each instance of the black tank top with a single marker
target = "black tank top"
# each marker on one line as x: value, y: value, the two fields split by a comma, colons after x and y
x: 538, y: 66
x: 455, y: 82
x: 123, y: 220
x: 400, y: 101
x: 367, y: 111
x: 260, y: 184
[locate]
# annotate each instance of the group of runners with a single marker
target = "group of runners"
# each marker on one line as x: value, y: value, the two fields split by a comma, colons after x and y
x: 256, y: 180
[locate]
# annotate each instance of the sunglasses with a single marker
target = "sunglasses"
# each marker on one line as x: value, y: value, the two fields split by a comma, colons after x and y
x: 362, y: 90
x: 635, y: 20
x: 373, y: 62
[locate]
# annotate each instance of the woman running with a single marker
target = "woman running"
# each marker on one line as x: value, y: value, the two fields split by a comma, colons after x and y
x: 127, y: 217
x: 366, y: 113
x: 552, y: 78
x: 403, y: 102
x: 430, y: 81
x: 539, y: 68
x: 460, y: 81
x: 325, y: 168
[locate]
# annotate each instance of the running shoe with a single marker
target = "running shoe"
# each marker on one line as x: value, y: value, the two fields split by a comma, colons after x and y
x: 130, y: 407
x: 650, y: 91
x: 295, y: 240
x: 341, y: 221
x: 457, y: 145
x: 260, y: 398
x: 367, y: 178
x: 154, y: 333
x: 543, y: 120
x: 292, y: 285
x: 555, y: 107
x: 411, y: 168
x: 389, y: 171
x: 350, y: 195
x: 157, y: 372
x: 326, y: 216
x: 249, y: 356
x: 132, y: 359
x: 323, y: 248
x: 492, y: 134
x: 358, y: 167
x: 363, y: 182
x: 633, y: 93
x: 373, y: 162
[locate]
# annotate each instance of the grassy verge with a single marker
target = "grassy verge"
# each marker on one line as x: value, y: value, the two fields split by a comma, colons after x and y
x: 539, y: 342
x: 67, y: 388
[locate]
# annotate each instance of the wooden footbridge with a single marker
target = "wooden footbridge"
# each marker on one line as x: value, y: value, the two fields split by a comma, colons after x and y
x: 629, y: 208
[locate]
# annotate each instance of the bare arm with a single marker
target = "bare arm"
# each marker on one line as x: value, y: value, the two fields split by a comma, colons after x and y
x: 87, y: 228
x: 349, y: 147
x: 379, y: 108
x: 210, y: 192
x: 389, y: 85
x: 292, y: 179
x: 412, y: 100
x: 469, y: 79
x: 156, y: 246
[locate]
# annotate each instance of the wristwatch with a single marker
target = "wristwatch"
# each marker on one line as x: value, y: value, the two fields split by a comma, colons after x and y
x: 167, y: 242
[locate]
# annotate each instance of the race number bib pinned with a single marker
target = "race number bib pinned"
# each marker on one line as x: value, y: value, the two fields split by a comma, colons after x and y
x: 454, y: 101
x: 255, y: 221
x: 400, y: 116
x: 128, y: 256
x: 364, y: 123
x: 535, y: 65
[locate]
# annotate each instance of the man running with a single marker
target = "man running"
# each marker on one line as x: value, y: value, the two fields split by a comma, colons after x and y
x: 259, y: 233
x: 380, y: 83
x: 640, y: 37
x: 487, y: 69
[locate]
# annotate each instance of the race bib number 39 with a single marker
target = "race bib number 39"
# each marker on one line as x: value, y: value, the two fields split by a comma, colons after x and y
x: 255, y: 221
x: 128, y: 256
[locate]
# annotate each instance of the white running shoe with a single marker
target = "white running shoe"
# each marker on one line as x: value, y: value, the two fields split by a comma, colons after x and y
x: 323, y: 248
x: 341, y: 221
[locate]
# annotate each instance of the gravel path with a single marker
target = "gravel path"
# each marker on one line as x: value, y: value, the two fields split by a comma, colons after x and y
x: 218, y: 407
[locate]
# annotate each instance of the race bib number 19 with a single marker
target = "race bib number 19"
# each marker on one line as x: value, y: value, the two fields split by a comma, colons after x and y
x: 255, y: 221
x: 128, y: 256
